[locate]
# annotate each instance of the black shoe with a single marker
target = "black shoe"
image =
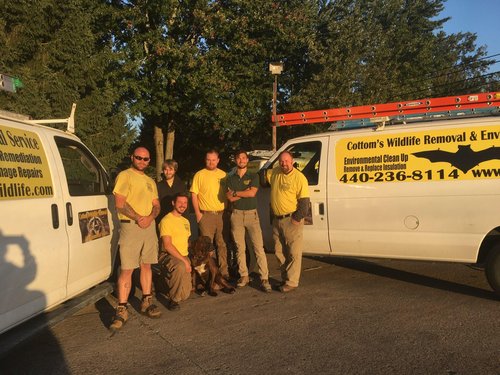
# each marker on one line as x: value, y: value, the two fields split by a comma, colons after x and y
x: 173, y: 306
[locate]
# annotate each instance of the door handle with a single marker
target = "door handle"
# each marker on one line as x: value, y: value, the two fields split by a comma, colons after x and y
x: 55, y: 216
x: 69, y: 213
x: 321, y: 208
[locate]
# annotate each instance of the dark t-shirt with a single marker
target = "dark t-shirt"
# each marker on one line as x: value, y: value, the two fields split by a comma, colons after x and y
x: 166, y: 193
x: 235, y: 183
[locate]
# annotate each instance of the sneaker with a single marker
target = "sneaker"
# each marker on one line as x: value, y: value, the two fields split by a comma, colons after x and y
x: 243, y: 281
x: 265, y: 286
x: 120, y: 318
x: 148, y: 308
x: 173, y: 306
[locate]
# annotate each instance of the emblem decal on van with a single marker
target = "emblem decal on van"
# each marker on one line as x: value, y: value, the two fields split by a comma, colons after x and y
x: 94, y: 224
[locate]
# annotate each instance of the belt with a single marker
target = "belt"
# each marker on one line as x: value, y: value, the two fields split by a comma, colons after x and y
x: 212, y: 212
x: 250, y: 210
x: 125, y: 221
x: 279, y: 217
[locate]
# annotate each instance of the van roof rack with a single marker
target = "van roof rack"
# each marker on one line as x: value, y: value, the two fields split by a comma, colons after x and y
x: 70, y: 121
x: 472, y: 105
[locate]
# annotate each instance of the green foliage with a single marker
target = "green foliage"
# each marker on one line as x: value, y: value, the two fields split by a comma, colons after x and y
x: 62, y: 53
x: 200, y: 67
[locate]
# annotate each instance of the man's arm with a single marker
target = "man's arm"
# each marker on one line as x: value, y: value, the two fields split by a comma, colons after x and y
x: 172, y: 250
x: 145, y: 221
x: 302, y: 208
x: 124, y: 208
x: 196, y: 206
x: 248, y: 193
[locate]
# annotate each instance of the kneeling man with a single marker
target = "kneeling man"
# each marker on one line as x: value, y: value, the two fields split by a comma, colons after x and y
x: 175, y: 232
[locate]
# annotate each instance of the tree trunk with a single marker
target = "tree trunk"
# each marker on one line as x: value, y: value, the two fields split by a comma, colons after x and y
x: 169, y: 144
x: 158, y: 138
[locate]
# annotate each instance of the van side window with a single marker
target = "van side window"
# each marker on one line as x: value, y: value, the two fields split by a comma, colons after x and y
x: 306, y: 157
x: 84, y: 175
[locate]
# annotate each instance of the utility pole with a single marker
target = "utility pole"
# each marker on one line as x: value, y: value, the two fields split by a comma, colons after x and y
x: 275, y: 68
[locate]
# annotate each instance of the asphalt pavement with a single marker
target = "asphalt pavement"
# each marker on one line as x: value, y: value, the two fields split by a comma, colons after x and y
x: 348, y: 316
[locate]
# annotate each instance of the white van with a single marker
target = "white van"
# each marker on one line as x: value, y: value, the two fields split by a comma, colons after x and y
x: 426, y: 191
x: 57, y: 235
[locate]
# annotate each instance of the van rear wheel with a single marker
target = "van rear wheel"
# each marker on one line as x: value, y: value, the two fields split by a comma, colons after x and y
x: 493, y: 268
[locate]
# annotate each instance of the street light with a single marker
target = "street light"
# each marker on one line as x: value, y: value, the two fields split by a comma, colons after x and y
x: 275, y: 68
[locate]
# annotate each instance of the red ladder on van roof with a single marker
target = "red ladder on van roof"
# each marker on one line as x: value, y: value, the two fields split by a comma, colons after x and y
x: 445, y: 106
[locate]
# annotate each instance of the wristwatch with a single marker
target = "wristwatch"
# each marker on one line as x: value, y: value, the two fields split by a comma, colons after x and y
x: 234, y: 194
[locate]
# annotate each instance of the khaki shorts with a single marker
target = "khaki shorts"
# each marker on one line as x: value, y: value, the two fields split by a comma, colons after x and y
x: 137, y: 245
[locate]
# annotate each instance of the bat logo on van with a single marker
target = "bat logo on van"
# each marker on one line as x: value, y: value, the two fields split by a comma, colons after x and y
x: 464, y: 159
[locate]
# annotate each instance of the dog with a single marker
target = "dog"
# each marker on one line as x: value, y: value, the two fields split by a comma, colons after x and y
x: 205, y: 274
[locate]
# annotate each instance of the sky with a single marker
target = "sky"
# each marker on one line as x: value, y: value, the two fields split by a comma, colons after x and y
x: 476, y: 16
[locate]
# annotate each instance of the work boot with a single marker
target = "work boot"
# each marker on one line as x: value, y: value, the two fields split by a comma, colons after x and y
x: 120, y: 318
x: 173, y: 305
x: 265, y: 286
x: 287, y: 288
x: 243, y: 281
x: 148, y: 308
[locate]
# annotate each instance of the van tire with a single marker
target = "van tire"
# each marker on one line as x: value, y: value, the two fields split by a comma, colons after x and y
x: 493, y: 268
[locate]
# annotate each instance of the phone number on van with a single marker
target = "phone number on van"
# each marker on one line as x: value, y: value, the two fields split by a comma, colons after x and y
x: 388, y: 176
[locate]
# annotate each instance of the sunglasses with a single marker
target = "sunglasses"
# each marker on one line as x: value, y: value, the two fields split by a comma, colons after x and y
x: 137, y: 157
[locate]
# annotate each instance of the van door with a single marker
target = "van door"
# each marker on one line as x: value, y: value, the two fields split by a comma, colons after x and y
x: 310, y: 157
x: 33, y: 238
x: 87, y: 213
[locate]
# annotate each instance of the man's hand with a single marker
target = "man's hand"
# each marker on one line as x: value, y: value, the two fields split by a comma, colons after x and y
x: 230, y: 197
x: 294, y: 222
x: 199, y: 215
x: 144, y: 221
x: 187, y: 262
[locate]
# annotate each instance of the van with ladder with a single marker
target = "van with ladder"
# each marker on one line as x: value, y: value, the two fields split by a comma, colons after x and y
x: 415, y: 180
x: 57, y: 232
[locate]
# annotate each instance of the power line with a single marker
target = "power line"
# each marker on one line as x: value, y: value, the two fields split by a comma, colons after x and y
x: 452, y: 71
x: 462, y: 63
x: 458, y: 82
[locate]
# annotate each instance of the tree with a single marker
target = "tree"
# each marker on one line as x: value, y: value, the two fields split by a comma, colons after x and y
x: 62, y: 53
x: 375, y: 51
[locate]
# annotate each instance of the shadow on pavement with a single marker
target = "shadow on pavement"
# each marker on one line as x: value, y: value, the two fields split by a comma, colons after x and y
x: 409, y: 277
x: 106, y: 311
x: 23, y: 360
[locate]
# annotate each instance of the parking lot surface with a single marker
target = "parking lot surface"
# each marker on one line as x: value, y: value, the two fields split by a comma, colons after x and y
x: 348, y: 316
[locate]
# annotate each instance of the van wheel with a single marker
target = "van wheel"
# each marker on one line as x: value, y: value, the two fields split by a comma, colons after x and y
x: 493, y: 268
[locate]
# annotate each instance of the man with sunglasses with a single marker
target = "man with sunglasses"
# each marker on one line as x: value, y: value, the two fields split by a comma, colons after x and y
x: 137, y: 203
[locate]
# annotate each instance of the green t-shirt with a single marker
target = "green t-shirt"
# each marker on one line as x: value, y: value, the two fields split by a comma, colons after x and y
x: 235, y: 183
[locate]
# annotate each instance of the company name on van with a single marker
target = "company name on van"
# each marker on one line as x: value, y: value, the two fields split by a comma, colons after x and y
x: 427, y: 139
x: 463, y: 153
x: 21, y: 141
x: 24, y: 164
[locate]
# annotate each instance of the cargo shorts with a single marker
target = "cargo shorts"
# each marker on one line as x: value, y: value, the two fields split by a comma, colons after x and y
x: 137, y: 245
